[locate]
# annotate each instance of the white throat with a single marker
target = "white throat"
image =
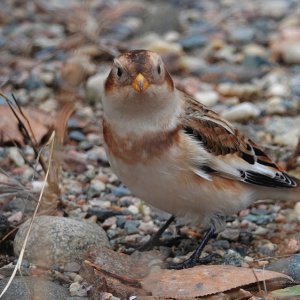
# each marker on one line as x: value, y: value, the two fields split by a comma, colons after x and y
x: 134, y: 118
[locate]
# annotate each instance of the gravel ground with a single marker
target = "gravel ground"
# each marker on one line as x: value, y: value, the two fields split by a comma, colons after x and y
x: 240, y: 58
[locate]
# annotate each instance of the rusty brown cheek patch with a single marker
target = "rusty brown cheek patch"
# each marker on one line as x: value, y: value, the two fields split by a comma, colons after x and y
x: 131, y: 149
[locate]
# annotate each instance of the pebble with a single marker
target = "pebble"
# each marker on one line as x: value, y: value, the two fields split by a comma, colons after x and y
x: 297, y: 209
x: 260, y: 231
x: 223, y: 244
x: 72, y: 267
x: 133, y: 209
x: 242, y: 91
x: 194, y: 40
x: 291, y: 53
x: 77, y: 135
x: 131, y: 227
x: 96, y: 187
x: 232, y: 258
x: 41, y: 94
x: 78, y: 289
x: 267, y: 249
x: 242, y: 34
x: 27, y: 288
x: 102, y: 214
x: 208, y: 98
x: 241, y: 112
x: 58, y: 240
x: 230, y: 234
x: 15, y: 155
x: 120, y: 191
x: 287, y: 265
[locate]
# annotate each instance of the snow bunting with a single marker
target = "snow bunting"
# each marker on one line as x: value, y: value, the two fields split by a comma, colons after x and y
x: 179, y: 155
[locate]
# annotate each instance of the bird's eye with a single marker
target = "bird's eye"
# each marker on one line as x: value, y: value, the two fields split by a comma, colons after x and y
x: 159, y: 69
x: 119, y: 72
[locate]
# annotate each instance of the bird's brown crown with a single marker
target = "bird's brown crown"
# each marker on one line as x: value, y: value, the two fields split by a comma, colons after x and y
x: 128, y: 66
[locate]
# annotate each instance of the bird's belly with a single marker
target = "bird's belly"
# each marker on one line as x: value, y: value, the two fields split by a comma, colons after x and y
x: 179, y: 191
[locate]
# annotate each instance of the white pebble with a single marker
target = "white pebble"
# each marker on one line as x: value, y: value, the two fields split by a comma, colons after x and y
x: 133, y: 209
x: 241, y: 112
x: 208, y: 98
x: 297, y: 209
x: 15, y: 155
x: 76, y: 289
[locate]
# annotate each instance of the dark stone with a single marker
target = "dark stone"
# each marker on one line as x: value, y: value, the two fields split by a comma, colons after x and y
x: 121, y: 191
x: 131, y: 227
x: 222, y: 244
x: 77, y: 136
x: 289, y: 266
x: 102, y: 214
x: 245, y: 237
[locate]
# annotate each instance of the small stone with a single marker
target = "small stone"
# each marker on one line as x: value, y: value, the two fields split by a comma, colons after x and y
x: 242, y: 34
x: 261, y: 231
x: 131, y: 227
x: 297, y: 209
x: 232, y: 258
x: 77, y: 135
x: 77, y: 289
x: 208, y: 98
x: 41, y: 93
x: 241, y: 112
x: 133, y: 209
x: 72, y: 267
x: 245, y: 237
x: 276, y: 105
x: 121, y: 191
x: 291, y: 53
x: 230, y: 234
x: 97, y: 154
x: 267, y: 249
x: 288, y: 265
x: 96, y: 187
x: 102, y: 214
x: 33, y: 83
x: 194, y: 40
x: 109, y: 222
x: 47, y: 77
x: 223, y: 244
x: 15, y: 155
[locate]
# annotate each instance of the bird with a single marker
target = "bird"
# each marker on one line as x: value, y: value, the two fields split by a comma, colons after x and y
x: 179, y: 155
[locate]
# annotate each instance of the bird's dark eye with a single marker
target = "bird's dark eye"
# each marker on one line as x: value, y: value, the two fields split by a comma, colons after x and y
x: 119, y: 72
x: 159, y: 69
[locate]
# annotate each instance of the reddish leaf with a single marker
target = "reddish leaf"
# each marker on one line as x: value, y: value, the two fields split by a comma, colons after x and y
x: 205, y: 280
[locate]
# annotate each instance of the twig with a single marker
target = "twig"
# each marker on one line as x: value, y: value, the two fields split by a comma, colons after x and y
x: 125, y: 280
x: 23, y: 128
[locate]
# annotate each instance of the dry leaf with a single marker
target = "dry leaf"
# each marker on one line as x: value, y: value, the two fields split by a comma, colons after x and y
x: 40, y: 122
x: 205, y: 280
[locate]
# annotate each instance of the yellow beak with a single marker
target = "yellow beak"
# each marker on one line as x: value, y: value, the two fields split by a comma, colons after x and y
x: 140, y: 83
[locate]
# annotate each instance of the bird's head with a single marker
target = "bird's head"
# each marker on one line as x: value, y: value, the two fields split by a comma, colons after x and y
x: 138, y: 82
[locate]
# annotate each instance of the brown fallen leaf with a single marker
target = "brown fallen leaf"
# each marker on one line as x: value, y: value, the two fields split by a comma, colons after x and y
x: 140, y: 275
x: 40, y: 122
x: 206, y: 280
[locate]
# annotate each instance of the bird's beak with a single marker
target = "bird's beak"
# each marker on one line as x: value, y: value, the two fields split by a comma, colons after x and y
x: 140, y: 83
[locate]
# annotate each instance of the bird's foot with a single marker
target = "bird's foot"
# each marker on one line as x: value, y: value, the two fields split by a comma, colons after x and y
x: 193, y: 261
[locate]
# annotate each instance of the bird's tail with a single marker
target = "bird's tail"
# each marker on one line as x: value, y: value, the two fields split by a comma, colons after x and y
x: 291, y: 194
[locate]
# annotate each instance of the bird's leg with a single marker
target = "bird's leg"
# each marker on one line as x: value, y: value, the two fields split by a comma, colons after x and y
x: 195, y: 257
x: 155, y: 238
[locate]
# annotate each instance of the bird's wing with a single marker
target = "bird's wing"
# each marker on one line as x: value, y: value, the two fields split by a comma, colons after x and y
x: 230, y: 153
